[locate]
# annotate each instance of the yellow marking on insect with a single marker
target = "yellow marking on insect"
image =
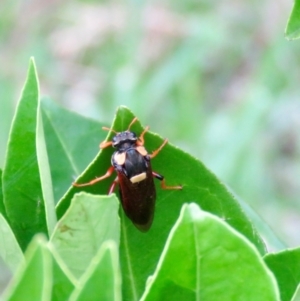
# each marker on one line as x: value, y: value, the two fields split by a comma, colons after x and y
x: 120, y: 158
x: 142, y: 150
x: 138, y: 178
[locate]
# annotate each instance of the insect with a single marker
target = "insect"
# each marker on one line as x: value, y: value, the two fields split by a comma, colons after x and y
x: 132, y: 163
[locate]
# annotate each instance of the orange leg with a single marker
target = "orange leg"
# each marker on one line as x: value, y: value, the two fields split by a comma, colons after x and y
x: 113, y: 185
x: 164, y: 186
x: 105, y: 144
x: 163, y: 183
x: 158, y: 150
x: 108, y: 174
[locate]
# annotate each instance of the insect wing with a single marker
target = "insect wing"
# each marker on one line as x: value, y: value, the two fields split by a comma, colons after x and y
x: 138, y: 199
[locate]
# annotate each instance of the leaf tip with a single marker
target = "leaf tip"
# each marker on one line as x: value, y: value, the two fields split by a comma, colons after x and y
x: 32, y: 64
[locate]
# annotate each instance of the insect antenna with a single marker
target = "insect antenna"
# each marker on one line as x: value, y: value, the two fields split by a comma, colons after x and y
x: 132, y: 122
x: 109, y: 129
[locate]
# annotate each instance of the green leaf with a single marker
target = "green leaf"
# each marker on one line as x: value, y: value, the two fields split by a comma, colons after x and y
x: 63, y: 281
x: 34, y: 280
x: 42, y: 271
x: 206, y: 259
x: 140, y: 251
x: 72, y: 143
x: 10, y: 250
x: 292, y: 30
x: 24, y: 198
x: 105, y: 265
x: 2, y: 208
x: 285, y: 266
x: 45, y: 174
x: 88, y: 223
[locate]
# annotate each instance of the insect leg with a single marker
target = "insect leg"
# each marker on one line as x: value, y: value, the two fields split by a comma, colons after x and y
x: 163, y: 183
x: 105, y: 144
x: 108, y: 174
x: 154, y: 153
x: 113, y: 185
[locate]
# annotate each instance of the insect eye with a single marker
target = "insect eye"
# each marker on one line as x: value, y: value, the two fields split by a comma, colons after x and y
x: 115, y: 141
x: 133, y: 135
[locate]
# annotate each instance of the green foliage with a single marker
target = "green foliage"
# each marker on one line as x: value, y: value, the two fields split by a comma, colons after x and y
x: 63, y: 281
x: 104, y: 266
x: 72, y: 149
x: 285, y: 266
x: 89, y: 220
x: 230, y: 104
x: 212, y: 253
x: 10, y: 250
x: 34, y: 280
x: 293, y: 27
x: 2, y: 207
x: 25, y: 178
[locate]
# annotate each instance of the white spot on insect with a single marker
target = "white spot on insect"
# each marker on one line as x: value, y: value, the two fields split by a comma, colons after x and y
x: 142, y: 150
x: 138, y: 178
x: 120, y: 158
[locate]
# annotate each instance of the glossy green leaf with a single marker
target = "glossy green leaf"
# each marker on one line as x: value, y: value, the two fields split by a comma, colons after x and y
x: 206, y: 259
x: 10, y: 250
x: 140, y: 251
x: 72, y: 143
x: 293, y: 26
x: 102, y: 280
x: 63, y: 281
x: 22, y: 188
x: 34, y: 280
x: 285, y: 266
x: 89, y: 222
x: 45, y: 174
x: 2, y: 208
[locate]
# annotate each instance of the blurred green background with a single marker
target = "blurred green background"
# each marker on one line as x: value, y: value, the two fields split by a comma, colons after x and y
x: 217, y: 78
